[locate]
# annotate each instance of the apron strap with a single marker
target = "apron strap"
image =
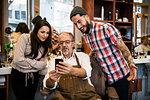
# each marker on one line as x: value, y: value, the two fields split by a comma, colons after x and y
x: 77, y: 60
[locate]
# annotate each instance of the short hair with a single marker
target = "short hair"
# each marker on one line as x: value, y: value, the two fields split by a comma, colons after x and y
x: 143, y: 38
x: 71, y: 35
x: 22, y: 27
x: 77, y: 10
x: 36, y: 19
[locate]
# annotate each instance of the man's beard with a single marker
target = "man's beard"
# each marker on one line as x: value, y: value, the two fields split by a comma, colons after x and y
x: 65, y: 53
x: 87, y: 28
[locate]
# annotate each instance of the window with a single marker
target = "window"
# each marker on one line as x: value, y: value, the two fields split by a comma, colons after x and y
x: 23, y: 15
x: 58, y: 14
x: 17, y: 10
x: 9, y: 13
x: 17, y: 14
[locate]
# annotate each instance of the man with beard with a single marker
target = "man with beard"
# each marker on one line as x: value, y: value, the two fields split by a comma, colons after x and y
x: 113, y: 55
x: 72, y: 76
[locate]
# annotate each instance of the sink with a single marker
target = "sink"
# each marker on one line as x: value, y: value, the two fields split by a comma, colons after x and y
x: 5, y: 70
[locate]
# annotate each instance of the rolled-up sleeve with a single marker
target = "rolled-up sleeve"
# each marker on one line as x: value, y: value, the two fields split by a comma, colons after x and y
x: 85, y: 63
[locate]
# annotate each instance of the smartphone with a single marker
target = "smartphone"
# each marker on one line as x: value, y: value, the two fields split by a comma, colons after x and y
x: 57, y: 62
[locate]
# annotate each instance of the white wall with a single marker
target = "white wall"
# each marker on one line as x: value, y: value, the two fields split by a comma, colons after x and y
x: 78, y: 34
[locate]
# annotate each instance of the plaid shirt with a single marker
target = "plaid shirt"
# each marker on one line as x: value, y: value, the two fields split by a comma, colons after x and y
x: 54, y: 36
x: 102, y: 40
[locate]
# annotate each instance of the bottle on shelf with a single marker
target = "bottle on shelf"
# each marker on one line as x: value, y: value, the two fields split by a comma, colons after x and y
x: 102, y: 13
x: 109, y: 15
x: 116, y: 15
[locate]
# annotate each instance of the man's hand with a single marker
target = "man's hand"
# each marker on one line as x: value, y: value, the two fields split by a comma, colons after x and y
x: 132, y: 69
x: 64, y: 68
x: 54, y: 75
x: 67, y: 69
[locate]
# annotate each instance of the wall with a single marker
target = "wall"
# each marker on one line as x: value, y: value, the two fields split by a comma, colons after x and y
x: 149, y: 19
x: 78, y: 34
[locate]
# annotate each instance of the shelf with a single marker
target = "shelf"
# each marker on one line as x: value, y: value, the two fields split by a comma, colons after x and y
x: 123, y: 22
x: 108, y: 0
x: 124, y: 2
x: 141, y: 4
x: 127, y: 41
x: 104, y: 21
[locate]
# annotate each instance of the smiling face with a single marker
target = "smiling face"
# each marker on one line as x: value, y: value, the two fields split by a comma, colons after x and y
x: 43, y: 33
x: 82, y: 23
x: 66, y: 44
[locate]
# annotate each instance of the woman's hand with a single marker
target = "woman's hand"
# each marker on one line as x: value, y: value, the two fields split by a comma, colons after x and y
x: 42, y: 59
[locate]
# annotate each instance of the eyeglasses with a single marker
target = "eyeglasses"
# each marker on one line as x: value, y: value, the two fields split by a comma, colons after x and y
x: 66, y: 42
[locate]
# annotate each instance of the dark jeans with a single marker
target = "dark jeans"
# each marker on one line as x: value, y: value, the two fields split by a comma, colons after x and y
x: 21, y: 91
x: 122, y: 88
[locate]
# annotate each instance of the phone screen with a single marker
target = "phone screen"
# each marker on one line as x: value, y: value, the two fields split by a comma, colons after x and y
x: 57, y: 62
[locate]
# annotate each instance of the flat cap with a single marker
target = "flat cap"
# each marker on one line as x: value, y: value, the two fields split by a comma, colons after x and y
x: 77, y: 10
x: 36, y: 19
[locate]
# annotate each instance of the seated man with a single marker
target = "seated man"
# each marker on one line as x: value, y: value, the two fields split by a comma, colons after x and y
x: 144, y: 46
x: 72, y: 76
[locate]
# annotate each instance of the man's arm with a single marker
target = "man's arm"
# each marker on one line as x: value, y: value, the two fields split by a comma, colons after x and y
x: 127, y: 55
x: 50, y: 83
x: 53, y: 77
x: 125, y: 51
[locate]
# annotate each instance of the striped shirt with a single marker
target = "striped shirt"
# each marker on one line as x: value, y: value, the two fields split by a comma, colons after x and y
x: 102, y: 40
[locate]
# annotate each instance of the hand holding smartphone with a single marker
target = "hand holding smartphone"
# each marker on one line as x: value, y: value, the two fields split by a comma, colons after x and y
x: 57, y: 62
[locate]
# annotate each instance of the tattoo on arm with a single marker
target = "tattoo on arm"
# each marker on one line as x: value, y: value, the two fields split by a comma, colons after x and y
x: 124, y: 49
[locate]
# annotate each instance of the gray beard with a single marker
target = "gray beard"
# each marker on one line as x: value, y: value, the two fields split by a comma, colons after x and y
x: 65, y: 53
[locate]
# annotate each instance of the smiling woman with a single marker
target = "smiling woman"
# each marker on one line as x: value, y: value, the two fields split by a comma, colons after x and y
x: 29, y: 59
x: 43, y: 33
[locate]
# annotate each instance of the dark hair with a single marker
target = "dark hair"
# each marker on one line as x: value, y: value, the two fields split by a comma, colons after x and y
x: 36, y: 43
x: 8, y: 30
x: 36, y: 19
x: 22, y: 27
x: 77, y: 10
x: 143, y: 38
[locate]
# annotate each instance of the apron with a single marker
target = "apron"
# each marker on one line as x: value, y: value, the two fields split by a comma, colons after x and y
x: 75, y: 88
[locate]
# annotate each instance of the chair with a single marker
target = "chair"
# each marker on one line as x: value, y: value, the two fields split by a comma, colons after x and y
x: 46, y: 92
x: 112, y: 94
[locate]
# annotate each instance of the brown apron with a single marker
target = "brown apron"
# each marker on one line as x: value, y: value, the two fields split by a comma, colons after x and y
x: 75, y: 88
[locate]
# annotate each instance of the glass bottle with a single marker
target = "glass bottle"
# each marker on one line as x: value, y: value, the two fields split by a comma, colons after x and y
x: 109, y: 15
x: 116, y: 15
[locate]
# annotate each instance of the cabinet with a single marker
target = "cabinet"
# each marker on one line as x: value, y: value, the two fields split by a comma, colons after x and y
x: 4, y: 88
x: 1, y: 27
x: 124, y: 9
x: 142, y: 29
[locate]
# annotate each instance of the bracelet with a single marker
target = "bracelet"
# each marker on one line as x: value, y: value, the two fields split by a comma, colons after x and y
x: 130, y: 62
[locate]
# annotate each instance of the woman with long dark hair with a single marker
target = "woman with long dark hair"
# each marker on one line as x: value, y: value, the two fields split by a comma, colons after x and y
x: 29, y: 58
